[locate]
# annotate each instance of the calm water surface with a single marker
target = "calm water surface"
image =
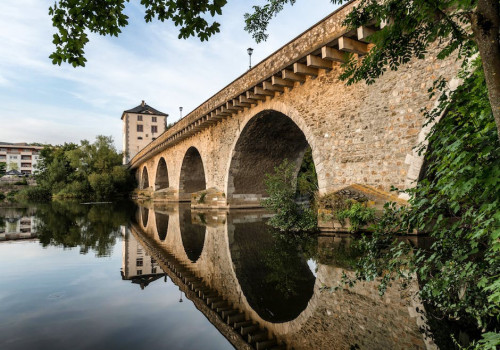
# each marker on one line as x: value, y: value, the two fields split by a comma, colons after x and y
x: 119, y: 276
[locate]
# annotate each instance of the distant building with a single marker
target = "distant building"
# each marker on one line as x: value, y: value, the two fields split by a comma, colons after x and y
x: 141, y: 125
x: 20, y: 156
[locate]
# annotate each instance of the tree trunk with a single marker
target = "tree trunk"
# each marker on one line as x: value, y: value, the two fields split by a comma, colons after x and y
x: 486, y: 29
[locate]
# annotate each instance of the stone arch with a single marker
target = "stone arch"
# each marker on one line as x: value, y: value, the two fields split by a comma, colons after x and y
x: 266, y: 139
x: 161, y: 225
x: 144, y: 178
x: 161, y: 180
x: 192, y: 177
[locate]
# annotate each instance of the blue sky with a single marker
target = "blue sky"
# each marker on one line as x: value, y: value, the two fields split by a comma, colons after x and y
x: 57, y: 104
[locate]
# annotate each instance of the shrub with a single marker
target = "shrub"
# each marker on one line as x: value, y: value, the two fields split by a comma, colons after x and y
x: 359, y: 215
x: 290, y: 216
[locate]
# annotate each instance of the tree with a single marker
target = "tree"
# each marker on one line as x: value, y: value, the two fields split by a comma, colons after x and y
x: 3, y: 168
x: 13, y: 166
x: 88, y: 170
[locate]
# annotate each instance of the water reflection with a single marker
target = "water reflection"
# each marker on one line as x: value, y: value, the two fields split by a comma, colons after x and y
x: 252, y: 286
x: 161, y: 225
x: 260, y: 284
x: 138, y: 266
x: 89, y: 227
x: 17, y: 224
x: 192, y: 234
x: 272, y: 270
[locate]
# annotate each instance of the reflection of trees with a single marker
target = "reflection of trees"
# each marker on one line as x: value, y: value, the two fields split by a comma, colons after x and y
x: 272, y: 270
x: 338, y: 251
x: 91, y: 227
x: 284, y: 258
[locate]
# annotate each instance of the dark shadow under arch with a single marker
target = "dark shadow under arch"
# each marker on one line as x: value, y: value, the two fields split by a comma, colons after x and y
x: 192, y: 173
x: 161, y: 180
x: 265, y: 142
x: 144, y: 178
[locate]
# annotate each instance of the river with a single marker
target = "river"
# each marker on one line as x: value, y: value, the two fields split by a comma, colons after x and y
x: 121, y: 276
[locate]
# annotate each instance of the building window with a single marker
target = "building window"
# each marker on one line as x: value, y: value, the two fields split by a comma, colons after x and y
x: 139, y: 118
x: 139, y: 138
x: 154, y: 129
x: 3, y: 157
x: 153, y: 270
x: 138, y: 262
x: 139, y: 128
x: 13, y: 157
x: 139, y: 272
x: 154, y: 119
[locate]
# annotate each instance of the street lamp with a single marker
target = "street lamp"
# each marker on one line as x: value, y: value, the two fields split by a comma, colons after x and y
x: 250, y: 51
x: 180, y: 110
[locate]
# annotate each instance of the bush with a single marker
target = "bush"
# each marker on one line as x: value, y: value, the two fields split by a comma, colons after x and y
x: 281, y: 188
x: 22, y: 182
x: 36, y: 193
x: 359, y: 215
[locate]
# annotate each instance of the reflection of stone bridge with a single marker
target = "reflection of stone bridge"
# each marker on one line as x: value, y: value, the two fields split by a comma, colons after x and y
x: 220, y: 262
x: 358, y: 134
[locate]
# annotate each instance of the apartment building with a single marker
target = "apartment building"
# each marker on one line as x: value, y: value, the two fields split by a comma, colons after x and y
x: 20, y: 156
x: 141, y: 125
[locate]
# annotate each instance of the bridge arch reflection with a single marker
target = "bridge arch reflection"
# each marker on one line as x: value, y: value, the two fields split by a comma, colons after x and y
x: 273, y: 274
x: 235, y: 263
x: 161, y: 225
x: 192, y: 234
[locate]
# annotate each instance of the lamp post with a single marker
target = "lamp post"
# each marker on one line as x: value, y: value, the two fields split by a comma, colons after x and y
x: 250, y: 51
x: 180, y: 110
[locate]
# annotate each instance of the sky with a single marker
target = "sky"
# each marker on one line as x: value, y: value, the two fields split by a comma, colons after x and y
x: 46, y: 103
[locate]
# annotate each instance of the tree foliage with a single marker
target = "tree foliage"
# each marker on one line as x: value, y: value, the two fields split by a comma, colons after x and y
x: 457, y: 203
x: 281, y: 188
x: 86, y: 171
x: 75, y: 18
x: 3, y: 168
x: 69, y: 225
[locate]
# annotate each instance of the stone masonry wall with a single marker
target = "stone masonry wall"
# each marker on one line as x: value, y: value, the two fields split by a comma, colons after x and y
x: 358, y: 134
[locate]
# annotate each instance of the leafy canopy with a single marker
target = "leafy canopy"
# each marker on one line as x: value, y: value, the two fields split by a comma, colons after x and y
x: 75, y: 18
x: 88, y: 170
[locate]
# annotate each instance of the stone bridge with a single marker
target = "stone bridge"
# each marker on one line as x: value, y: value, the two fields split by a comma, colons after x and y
x: 223, y: 255
x: 359, y: 134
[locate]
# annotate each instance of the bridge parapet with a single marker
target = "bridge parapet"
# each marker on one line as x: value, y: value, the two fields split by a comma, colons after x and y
x: 319, y: 47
